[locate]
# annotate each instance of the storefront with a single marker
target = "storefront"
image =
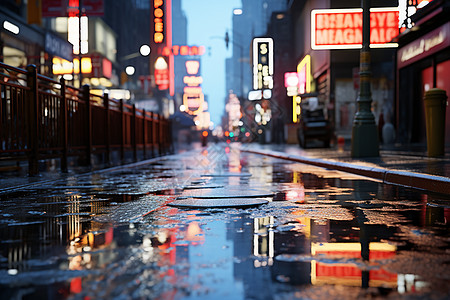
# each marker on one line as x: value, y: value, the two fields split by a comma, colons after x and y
x: 331, y: 34
x: 423, y: 62
x: 20, y: 43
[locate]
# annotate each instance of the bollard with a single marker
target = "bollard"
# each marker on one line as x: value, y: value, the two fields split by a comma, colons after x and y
x: 435, y: 105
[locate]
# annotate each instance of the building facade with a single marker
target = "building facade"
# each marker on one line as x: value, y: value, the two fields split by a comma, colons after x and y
x: 423, y: 62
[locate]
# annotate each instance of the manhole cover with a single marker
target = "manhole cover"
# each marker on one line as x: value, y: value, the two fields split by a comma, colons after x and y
x: 227, y: 174
x: 199, y: 187
x: 227, y: 193
x: 218, y: 203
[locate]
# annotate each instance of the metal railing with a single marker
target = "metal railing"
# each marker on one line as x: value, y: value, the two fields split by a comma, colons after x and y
x: 41, y: 118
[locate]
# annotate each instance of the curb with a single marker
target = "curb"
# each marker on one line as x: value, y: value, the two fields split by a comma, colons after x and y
x: 438, y: 184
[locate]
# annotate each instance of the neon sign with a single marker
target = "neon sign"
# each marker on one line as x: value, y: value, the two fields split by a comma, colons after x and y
x: 61, y: 66
x: 193, y: 98
x: 158, y: 21
x: 262, y: 63
x: 183, y: 50
x: 192, y: 66
x: 291, y: 83
x: 304, y: 75
x: 193, y: 80
x: 304, y: 86
x: 342, y: 28
x: 161, y: 73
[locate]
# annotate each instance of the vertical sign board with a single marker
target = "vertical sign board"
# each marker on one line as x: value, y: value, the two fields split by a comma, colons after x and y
x: 262, y: 63
x: 342, y: 28
x: 158, y: 40
x: 304, y: 75
x: 193, y: 97
x: 158, y: 23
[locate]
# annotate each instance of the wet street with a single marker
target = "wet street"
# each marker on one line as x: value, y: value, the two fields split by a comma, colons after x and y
x: 217, y: 223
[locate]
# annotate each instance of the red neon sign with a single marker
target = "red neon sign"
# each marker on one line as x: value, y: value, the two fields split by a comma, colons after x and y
x: 342, y: 28
x: 158, y: 21
x: 183, y: 50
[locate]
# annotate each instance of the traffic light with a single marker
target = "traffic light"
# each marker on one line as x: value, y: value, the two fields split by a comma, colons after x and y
x: 204, y: 138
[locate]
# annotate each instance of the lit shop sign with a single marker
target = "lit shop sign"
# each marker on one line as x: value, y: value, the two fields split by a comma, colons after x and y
x: 262, y: 63
x: 161, y: 73
x: 62, y: 66
x: 77, y: 36
x: 291, y: 83
x: 193, y: 97
x: 158, y: 21
x: 192, y: 67
x: 342, y: 28
x: 304, y: 86
x: 304, y: 75
x: 11, y: 27
x: 428, y: 44
x: 183, y: 50
x: 259, y: 95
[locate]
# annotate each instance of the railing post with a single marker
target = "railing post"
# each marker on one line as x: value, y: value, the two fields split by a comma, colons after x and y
x: 33, y: 128
x: 133, y: 133
x: 160, y: 135
x: 153, y: 130
x: 122, y: 129
x: 64, y: 126
x: 170, y: 136
x: 144, y: 133
x: 86, y: 97
x: 107, y: 128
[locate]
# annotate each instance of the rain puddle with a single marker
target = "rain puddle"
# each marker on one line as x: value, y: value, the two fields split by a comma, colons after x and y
x: 187, y: 229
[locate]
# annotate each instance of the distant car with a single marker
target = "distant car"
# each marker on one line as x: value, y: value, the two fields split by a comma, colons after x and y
x: 313, y: 124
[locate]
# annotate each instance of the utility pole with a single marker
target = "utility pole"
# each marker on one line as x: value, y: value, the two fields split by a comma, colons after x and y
x: 241, y: 48
x: 364, y: 133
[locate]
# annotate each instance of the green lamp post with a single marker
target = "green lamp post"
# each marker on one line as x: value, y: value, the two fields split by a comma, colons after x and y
x: 364, y: 132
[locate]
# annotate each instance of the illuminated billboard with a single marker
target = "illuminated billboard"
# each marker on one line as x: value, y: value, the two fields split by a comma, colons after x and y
x: 342, y: 28
x: 262, y: 63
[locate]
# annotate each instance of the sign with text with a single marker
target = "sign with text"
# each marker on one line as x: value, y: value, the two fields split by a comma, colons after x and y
x: 342, y: 28
x: 183, y: 50
x: 432, y: 42
x: 158, y: 21
x: 262, y: 63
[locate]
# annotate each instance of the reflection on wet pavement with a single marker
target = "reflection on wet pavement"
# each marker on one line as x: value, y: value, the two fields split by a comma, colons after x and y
x: 320, y: 234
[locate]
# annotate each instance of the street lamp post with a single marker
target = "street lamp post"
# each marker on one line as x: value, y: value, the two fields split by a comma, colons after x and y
x: 364, y: 133
x: 227, y: 40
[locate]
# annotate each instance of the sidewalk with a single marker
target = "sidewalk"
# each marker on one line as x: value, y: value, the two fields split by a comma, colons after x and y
x: 407, y: 167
